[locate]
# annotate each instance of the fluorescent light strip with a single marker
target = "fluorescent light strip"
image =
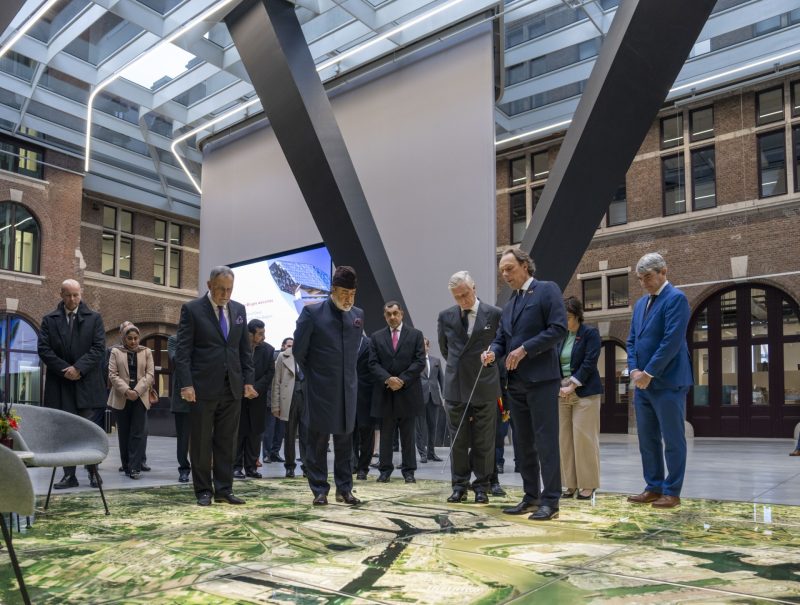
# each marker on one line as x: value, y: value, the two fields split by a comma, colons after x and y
x: 322, y: 66
x: 26, y: 26
x: 533, y: 132
x: 736, y: 70
x: 117, y: 74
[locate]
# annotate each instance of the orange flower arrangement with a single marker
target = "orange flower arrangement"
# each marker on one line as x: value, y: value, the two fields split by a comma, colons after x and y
x: 8, y: 420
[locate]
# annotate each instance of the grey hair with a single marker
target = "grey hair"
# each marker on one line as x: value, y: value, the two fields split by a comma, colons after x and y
x: 221, y: 270
x: 460, y: 277
x: 652, y: 261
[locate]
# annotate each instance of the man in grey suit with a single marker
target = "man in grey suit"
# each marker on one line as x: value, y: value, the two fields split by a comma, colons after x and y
x: 427, y: 425
x: 470, y: 390
x: 214, y: 367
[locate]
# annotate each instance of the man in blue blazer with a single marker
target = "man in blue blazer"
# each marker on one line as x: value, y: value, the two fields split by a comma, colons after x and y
x: 214, y: 366
x: 533, y: 323
x: 661, y: 372
x: 326, y: 344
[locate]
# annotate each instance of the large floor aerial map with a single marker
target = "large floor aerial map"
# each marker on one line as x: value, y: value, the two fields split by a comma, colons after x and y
x: 403, y: 545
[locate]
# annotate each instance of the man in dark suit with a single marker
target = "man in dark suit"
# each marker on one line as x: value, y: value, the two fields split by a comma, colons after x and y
x: 432, y: 380
x: 470, y: 390
x: 326, y: 343
x: 180, y: 411
x: 254, y: 411
x: 396, y: 359
x: 661, y: 371
x: 533, y: 324
x: 215, y: 369
x: 72, y: 345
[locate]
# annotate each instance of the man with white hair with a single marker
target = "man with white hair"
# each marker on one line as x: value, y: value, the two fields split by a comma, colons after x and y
x: 470, y: 390
x: 661, y: 372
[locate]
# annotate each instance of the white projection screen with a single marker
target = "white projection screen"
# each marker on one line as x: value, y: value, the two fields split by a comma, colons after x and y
x: 421, y: 139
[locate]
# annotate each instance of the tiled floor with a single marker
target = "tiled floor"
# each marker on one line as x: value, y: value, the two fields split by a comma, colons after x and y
x: 404, y: 544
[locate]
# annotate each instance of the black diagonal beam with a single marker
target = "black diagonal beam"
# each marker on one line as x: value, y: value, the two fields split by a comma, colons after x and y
x: 641, y: 56
x: 274, y: 52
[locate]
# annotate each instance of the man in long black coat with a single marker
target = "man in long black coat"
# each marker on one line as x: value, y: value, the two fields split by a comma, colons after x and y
x: 326, y: 343
x: 396, y: 359
x: 215, y: 368
x: 364, y: 433
x: 72, y: 345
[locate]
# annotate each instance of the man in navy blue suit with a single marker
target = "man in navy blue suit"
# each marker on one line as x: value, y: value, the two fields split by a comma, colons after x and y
x: 661, y: 372
x: 533, y: 323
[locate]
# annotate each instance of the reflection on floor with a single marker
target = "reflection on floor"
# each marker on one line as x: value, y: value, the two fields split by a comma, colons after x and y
x: 403, y: 545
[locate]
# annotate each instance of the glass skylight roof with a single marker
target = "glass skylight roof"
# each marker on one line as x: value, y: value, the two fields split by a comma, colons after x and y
x: 159, y: 66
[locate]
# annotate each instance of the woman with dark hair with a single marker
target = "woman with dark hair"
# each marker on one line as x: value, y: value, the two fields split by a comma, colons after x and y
x: 579, y: 405
x: 131, y: 372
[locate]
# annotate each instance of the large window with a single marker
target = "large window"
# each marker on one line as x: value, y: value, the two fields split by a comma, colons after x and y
x: 704, y: 181
x: 21, y: 158
x: 672, y: 131
x: 519, y: 216
x: 516, y: 170
x: 796, y: 139
x: 771, y: 164
x: 20, y: 366
x: 618, y: 291
x: 769, y: 106
x: 593, y: 294
x: 166, y: 256
x: 673, y: 184
x: 618, y: 208
x: 19, y: 239
x: 539, y: 166
x: 701, y: 124
x: 117, y: 247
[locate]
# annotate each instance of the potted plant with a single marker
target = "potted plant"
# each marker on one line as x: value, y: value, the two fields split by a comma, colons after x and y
x: 8, y: 420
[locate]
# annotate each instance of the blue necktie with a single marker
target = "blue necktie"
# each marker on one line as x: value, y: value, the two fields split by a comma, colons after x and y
x: 223, y: 325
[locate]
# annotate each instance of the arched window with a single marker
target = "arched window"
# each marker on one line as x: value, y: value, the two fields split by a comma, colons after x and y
x: 20, y: 366
x: 745, y: 346
x: 20, y: 239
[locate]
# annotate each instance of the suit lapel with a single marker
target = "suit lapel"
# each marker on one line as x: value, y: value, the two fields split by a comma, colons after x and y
x: 401, y: 340
x: 647, y: 315
x: 521, y: 304
x: 480, y: 322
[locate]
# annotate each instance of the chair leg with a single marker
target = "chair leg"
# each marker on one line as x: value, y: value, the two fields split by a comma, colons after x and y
x: 100, y: 487
x: 49, y: 491
x: 14, y: 563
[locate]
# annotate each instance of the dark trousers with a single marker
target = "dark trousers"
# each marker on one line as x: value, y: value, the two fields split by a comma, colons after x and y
x: 182, y: 430
x: 409, y: 457
x: 90, y: 414
x: 251, y: 429
x: 499, y: 444
x: 212, y: 444
x: 363, y: 445
x: 660, y: 415
x: 427, y: 427
x: 535, y: 411
x: 316, y: 462
x: 274, y: 429
x: 295, y: 428
x: 131, y: 428
x: 473, y: 445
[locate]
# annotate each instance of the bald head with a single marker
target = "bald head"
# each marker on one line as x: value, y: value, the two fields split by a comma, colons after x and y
x: 70, y: 294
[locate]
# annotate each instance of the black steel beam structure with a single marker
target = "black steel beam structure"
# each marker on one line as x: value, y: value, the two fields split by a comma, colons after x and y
x: 275, y: 54
x: 646, y: 46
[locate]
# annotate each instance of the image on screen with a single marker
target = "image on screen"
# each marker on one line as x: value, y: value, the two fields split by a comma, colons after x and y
x: 274, y: 289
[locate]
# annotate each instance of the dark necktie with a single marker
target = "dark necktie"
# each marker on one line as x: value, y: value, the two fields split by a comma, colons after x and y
x: 70, y: 318
x: 651, y: 301
x: 517, y: 298
x: 223, y: 325
x: 465, y: 319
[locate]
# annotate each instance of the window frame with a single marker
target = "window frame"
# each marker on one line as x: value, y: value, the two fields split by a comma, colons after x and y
x: 682, y: 163
x: 759, y: 137
x: 759, y: 93
x: 169, y: 248
x: 584, y: 282
x: 118, y: 235
x: 608, y: 279
x: 693, y: 152
x: 692, y: 112
x: 679, y: 141
x: 12, y: 237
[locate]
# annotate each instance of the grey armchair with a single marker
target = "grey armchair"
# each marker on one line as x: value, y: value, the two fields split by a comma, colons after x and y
x: 15, y: 497
x: 57, y: 438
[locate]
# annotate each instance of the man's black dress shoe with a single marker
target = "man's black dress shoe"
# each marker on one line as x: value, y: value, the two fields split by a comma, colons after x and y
x: 362, y: 475
x: 290, y: 473
x: 497, y: 490
x: 481, y: 497
x: 253, y: 474
x: 276, y: 458
x: 434, y: 458
x: 134, y: 474
x: 238, y: 474
x: 66, y: 481
x: 145, y: 468
x: 457, y: 496
x: 409, y: 478
x: 347, y: 498
x: 423, y: 460
x: 383, y: 477
x: 320, y: 500
x: 204, y: 499
x: 122, y: 469
x: 523, y: 508
x: 228, y: 497
x: 545, y: 513
x: 183, y: 476
x: 374, y: 465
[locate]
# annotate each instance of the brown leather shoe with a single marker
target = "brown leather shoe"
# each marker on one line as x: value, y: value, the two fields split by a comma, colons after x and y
x: 667, y: 502
x: 644, y: 498
x: 796, y: 452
